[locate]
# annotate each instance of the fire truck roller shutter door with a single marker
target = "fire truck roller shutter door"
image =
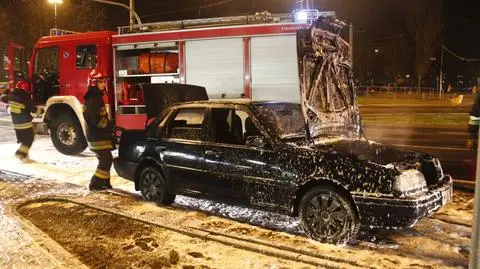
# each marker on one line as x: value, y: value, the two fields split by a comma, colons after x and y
x: 275, y: 68
x: 217, y: 65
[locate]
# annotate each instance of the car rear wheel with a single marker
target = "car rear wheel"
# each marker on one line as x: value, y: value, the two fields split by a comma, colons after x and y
x: 328, y: 216
x: 154, y: 187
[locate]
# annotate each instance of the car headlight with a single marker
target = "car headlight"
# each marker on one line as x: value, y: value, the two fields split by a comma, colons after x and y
x: 438, y: 167
x: 409, y: 182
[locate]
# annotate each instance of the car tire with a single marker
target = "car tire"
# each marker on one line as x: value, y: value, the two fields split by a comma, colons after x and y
x: 153, y: 186
x: 67, y: 135
x: 328, y: 216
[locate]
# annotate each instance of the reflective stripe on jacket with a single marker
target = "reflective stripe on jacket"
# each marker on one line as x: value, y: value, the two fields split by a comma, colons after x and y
x: 99, y: 145
x: 21, y: 105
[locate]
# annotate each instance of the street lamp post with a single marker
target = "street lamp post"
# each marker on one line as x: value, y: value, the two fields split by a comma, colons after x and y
x: 440, y: 89
x: 132, y: 17
x: 55, y: 2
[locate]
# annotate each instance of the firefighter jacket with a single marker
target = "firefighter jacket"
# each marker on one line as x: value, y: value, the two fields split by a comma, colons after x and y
x: 474, y: 118
x: 21, y: 105
x: 99, y: 128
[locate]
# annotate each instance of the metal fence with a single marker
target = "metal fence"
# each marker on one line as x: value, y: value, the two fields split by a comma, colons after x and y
x: 411, y: 91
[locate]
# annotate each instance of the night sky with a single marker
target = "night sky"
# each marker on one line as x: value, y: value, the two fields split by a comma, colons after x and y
x: 374, y: 20
x: 377, y: 18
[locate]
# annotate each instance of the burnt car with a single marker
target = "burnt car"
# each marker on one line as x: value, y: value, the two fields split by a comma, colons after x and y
x: 309, y: 160
x: 259, y: 155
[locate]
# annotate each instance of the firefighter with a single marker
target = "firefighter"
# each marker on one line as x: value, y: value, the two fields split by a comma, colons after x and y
x: 99, y: 130
x: 21, y: 105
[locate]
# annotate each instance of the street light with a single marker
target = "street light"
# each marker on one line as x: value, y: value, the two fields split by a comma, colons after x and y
x: 55, y: 2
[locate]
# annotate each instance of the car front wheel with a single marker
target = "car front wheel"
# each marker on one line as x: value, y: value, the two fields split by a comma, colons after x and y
x: 154, y: 187
x: 328, y: 216
x: 67, y: 135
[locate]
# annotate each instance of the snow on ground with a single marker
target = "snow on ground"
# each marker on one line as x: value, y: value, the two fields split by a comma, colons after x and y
x: 20, y: 248
x: 440, y: 241
x: 100, y: 239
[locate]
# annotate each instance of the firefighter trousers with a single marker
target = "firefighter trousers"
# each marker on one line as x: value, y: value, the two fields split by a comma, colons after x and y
x: 25, y: 138
x: 101, y: 178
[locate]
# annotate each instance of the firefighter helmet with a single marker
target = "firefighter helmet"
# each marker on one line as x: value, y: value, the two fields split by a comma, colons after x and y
x: 94, y: 76
x: 23, y: 85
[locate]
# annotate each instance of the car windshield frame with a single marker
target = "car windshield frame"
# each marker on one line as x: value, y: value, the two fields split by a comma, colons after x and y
x: 269, y: 116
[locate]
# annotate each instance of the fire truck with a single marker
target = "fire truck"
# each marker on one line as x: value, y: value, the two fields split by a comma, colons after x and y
x: 252, y: 56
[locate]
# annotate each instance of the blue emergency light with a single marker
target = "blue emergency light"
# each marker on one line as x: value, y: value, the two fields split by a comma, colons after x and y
x: 310, y: 15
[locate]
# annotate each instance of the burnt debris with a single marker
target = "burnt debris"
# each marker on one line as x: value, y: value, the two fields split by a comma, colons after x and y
x: 327, y: 92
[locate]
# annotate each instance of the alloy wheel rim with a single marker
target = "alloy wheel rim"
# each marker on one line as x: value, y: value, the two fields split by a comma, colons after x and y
x: 152, y: 186
x: 327, y: 215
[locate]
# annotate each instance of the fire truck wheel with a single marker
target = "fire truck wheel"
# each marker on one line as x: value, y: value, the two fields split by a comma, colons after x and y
x: 67, y: 136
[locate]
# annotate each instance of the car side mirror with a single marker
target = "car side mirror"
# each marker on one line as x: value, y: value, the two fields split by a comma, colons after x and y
x: 256, y: 141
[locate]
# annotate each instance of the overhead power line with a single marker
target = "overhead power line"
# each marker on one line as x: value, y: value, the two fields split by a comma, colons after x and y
x: 460, y: 57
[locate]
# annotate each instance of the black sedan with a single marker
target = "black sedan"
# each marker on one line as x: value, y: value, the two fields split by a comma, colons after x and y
x: 257, y: 154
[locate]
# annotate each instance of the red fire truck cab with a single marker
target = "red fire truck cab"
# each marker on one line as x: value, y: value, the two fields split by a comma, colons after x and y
x: 232, y: 57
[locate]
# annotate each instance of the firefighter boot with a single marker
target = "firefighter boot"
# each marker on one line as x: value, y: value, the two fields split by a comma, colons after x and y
x: 98, y: 184
x: 22, y: 153
x: 100, y: 180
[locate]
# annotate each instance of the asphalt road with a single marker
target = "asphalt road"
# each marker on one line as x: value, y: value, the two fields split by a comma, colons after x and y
x: 449, y: 145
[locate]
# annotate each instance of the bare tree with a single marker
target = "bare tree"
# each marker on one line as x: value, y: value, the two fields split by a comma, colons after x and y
x: 363, y: 63
x: 87, y: 16
x: 396, y: 50
x: 25, y: 21
x: 424, y: 23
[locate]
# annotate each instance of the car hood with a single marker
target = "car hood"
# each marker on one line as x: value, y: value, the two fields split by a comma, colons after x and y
x: 328, y: 96
x: 386, y: 157
x: 377, y: 153
x: 160, y: 96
